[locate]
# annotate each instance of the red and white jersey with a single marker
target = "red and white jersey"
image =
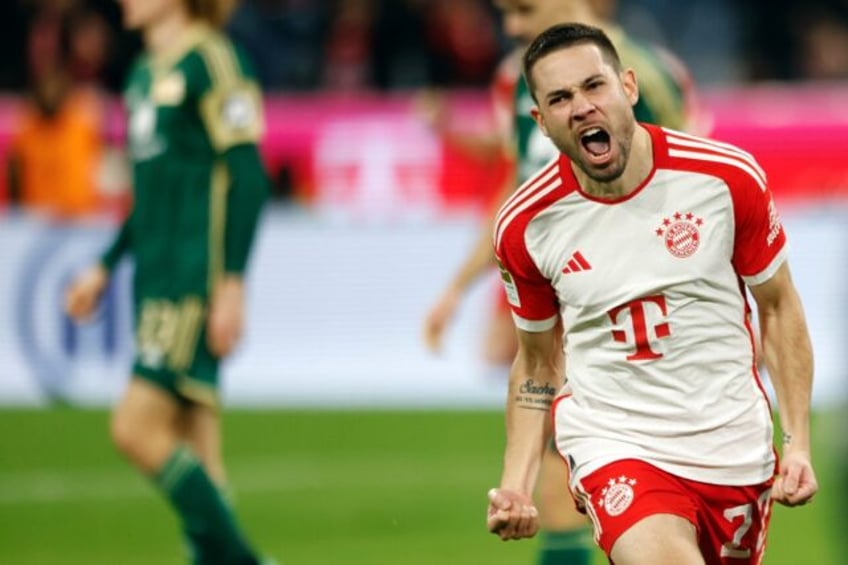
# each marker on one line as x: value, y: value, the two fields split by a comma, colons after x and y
x: 659, y: 348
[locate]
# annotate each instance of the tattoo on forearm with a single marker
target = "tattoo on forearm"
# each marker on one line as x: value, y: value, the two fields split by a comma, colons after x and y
x: 534, y: 396
x: 787, y: 438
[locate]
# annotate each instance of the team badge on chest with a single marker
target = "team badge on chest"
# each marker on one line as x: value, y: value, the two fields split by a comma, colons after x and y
x: 681, y: 234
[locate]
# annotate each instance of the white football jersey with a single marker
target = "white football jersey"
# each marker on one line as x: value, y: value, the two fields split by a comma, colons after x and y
x: 650, y: 287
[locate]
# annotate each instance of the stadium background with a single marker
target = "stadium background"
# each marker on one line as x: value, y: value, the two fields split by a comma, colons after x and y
x: 347, y: 441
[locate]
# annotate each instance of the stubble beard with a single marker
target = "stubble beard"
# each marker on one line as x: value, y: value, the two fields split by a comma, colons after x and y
x: 611, y: 171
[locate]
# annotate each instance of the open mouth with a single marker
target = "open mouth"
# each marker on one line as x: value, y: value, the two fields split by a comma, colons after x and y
x: 596, y: 142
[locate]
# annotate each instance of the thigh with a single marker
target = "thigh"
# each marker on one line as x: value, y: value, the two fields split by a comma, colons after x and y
x: 145, y: 408
x: 201, y: 429
x: 734, y: 522
x: 145, y: 424
x: 620, y: 495
x: 658, y: 539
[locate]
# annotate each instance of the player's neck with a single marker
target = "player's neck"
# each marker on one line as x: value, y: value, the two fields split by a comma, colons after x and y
x: 640, y: 163
x: 160, y: 35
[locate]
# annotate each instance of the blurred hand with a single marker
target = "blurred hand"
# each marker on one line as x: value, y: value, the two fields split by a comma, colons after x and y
x: 511, y: 515
x: 226, y: 316
x: 82, y: 296
x: 796, y: 482
x: 438, y: 318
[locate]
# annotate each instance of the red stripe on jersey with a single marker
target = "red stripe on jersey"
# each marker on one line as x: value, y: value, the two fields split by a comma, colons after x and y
x: 705, y: 150
x: 531, y: 184
x: 680, y: 137
x: 530, y: 195
x: 707, y: 153
x: 573, y: 267
x: 504, y: 221
x: 582, y: 260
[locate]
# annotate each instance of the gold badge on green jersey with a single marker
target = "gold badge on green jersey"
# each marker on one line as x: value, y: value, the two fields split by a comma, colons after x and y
x: 169, y: 90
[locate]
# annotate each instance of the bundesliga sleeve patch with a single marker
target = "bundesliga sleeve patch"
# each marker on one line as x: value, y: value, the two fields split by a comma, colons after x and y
x: 233, y: 115
x: 509, y: 286
x: 238, y: 110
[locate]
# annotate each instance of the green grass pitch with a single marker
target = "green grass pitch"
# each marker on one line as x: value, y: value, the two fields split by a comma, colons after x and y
x: 312, y: 487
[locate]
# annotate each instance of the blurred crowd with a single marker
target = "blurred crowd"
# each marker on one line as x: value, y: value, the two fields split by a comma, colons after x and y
x: 64, y: 60
x: 393, y: 44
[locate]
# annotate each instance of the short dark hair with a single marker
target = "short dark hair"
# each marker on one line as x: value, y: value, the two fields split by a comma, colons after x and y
x: 562, y: 36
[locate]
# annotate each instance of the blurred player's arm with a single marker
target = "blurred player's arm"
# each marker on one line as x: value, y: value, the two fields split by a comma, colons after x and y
x: 83, y: 294
x: 479, y: 260
x: 232, y: 113
x: 789, y: 359
x: 246, y: 197
x: 534, y: 380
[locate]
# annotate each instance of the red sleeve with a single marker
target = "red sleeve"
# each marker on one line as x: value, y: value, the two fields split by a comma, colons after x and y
x: 530, y: 295
x: 759, y: 239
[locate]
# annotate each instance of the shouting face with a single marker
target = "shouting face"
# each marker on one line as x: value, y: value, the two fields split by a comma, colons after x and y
x: 585, y: 106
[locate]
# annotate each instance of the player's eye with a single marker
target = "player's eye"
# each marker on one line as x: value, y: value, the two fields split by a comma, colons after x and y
x: 557, y: 99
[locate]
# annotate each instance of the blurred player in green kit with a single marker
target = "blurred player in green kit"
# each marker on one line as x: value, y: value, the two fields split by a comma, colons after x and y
x: 195, y: 117
x: 666, y: 98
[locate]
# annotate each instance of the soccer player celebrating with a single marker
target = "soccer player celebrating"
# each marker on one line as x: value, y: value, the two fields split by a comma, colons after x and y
x: 198, y: 186
x: 666, y: 98
x: 639, y: 242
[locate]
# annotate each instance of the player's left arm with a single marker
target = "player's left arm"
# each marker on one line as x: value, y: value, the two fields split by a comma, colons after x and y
x: 534, y: 379
x: 788, y: 356
x: 232, y: 112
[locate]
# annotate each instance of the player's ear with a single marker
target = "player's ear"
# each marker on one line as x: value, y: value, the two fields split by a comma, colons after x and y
x: 630, y: 85
x: 540, y: 120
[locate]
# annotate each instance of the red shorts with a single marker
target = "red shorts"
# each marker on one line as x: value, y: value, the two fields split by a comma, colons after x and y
x: 731, y: 521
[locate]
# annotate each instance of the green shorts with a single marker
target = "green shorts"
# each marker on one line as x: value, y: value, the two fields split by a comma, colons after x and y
x: 171, y: 349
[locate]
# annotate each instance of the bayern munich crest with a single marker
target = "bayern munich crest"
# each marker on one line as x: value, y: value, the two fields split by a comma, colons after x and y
x: 617, y: 495
x: 681, y: 234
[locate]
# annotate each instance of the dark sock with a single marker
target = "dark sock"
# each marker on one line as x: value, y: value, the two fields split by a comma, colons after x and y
x: 207, y: 519
x: 566, y: 547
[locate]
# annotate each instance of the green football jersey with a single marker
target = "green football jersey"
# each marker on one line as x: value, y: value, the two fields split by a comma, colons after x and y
x: 186, y: 110
x: 662, y: 101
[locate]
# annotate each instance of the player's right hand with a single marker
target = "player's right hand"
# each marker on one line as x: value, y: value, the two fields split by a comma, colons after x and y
x: 438, y: 319
x: 796, y: 482
x: 82, y: 296
x: 511, y: 515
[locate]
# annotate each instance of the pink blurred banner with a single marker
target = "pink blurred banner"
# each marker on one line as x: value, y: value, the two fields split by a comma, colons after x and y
x: 799, y: 134
x: 371, y: 155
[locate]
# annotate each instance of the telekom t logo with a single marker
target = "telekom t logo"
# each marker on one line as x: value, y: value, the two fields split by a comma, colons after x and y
x: 641, y: 334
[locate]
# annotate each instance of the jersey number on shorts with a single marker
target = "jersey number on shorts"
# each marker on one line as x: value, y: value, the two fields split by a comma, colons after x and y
x: 733, y: 548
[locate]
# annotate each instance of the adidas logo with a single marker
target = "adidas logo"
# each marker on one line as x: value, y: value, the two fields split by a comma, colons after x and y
x: 576, y: 264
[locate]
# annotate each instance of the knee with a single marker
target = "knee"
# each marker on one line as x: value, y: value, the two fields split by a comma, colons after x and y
x: 146, y: 446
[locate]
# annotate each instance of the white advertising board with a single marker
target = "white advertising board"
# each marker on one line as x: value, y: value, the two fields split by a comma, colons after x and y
x: 334, y: 315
